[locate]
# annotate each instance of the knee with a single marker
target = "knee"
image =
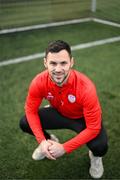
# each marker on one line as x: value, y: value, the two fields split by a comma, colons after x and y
x: 100, y: 150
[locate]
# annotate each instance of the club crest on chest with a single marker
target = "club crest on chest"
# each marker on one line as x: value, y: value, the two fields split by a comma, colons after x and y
x: 71, y: 98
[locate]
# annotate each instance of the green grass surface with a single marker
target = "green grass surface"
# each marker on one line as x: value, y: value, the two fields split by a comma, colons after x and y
x: 20, y: 13
x: 102, y: 65
x: 109, y: 10
x: 25, y: 43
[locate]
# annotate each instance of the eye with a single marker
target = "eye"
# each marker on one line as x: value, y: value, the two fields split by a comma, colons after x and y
x: 63, y: 63
x: 53, y: 63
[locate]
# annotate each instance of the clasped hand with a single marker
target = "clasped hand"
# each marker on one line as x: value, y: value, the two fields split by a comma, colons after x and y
x: 51, y: 149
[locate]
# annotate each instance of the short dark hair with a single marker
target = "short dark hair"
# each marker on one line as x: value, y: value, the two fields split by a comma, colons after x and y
x: 57, y: 46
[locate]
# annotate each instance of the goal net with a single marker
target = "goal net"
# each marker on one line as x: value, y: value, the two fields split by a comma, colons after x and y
x: 20, y: 13
x: 107, y: 10
x: 17, y: 13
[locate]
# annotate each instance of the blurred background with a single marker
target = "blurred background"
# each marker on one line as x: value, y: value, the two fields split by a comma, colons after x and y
x: 92, y: 28
x: 15, y: 13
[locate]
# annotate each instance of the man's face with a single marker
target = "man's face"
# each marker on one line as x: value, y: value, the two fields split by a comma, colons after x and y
x: 58, y: 65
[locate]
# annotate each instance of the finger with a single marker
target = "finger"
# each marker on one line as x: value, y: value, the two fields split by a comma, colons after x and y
x: 50, y: 148
x: 49, y: 156
x: 50, y: 141
x: 52, y: 153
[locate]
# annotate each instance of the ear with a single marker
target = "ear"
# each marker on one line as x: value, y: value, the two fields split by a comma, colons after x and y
x: 45, y: 62
x: 72, y: 62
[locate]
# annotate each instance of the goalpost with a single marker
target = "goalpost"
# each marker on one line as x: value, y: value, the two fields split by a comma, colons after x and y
x: 77, y: 11
x: 106, y: 12
x: 93, y: 5
x: 16, y: 16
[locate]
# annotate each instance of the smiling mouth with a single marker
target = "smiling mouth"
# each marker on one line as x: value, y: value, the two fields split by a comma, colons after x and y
x: 58, y: 75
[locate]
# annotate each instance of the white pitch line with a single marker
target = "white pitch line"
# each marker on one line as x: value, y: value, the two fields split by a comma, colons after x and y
x: 22, y: 59
x: 95, y: 43
x: 60, y: 23
x: 41, y: 26
x: 110, y: 23
x: 74, y: 48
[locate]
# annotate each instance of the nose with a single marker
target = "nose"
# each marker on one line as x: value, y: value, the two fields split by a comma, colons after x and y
x: 58, y: 68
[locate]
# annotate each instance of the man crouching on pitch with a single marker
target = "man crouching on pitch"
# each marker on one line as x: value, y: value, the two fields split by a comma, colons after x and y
x: 74, y: 105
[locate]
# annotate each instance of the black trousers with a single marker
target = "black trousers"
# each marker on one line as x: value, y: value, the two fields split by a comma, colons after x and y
x: 51, y: 119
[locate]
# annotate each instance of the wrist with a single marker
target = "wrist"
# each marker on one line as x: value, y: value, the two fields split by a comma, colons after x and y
x: 42, y: 141
x: 63, y: 148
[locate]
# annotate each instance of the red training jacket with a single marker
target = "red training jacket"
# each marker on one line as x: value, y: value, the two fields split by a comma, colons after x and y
x: 75, y: 99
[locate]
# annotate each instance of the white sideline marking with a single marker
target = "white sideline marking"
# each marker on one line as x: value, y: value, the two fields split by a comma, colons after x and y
x: 40, y: 26
x: 95, y: 43
x: 76, y: 47
x: 22, y: 59
x: 110, y: 23
x: 61, y: 23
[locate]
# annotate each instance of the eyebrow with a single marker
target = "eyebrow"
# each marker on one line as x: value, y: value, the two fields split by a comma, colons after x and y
x: 58, y: 62
x: 54, y: 62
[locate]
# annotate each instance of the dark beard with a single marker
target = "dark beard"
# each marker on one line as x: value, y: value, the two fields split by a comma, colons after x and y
x: 60, y: 83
